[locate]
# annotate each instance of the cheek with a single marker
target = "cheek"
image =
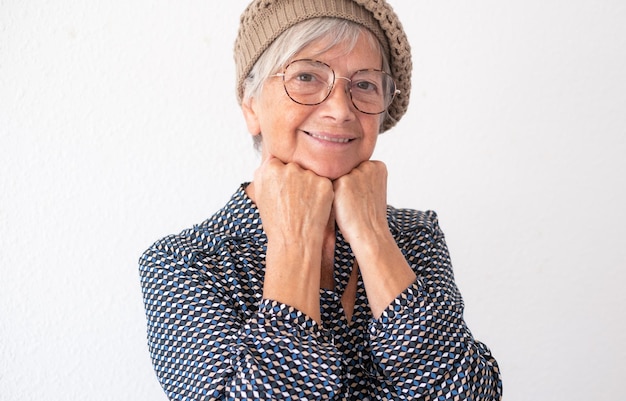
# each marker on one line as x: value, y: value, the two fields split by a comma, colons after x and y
x: 279, y: 128
x: 278, y: 111
x: 372, y: 128
x: 285, y: 118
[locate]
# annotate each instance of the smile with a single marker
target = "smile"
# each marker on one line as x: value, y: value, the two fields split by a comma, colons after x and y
x: 328, y: 138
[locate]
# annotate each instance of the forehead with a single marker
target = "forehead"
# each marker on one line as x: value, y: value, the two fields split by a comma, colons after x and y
x: 363, y: 48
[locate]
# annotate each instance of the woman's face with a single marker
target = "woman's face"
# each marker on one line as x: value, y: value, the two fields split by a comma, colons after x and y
x: 329, y: 139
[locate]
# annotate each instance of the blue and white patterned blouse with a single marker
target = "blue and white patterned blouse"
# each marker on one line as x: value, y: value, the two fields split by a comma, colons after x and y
x: 212, y: 337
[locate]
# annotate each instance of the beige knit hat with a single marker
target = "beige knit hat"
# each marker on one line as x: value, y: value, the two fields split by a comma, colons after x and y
x: 264, y: 20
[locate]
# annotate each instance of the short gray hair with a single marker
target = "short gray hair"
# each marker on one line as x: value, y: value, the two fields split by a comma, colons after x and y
x: 293, y: 40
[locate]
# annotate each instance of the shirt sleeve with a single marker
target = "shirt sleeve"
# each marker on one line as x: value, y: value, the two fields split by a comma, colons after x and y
x: 421, y: 346
x: 205, y: 347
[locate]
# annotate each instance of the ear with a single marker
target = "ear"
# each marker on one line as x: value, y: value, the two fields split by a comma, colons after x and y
x: 250, y: 115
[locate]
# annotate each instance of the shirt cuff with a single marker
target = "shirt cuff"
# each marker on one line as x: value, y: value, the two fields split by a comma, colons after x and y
x: 283, y: 319
x: 405, y: 303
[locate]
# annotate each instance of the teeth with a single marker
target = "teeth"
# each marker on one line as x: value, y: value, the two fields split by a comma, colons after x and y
x: 329, y: 139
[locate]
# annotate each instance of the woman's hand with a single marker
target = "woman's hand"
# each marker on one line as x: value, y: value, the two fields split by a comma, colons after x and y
x: 294, y: 203
x: 361, y: 201
x: 360, y: 206
x: 295, y: 207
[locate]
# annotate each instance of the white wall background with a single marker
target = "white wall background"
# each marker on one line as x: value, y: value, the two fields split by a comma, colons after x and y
x: 118, y: 125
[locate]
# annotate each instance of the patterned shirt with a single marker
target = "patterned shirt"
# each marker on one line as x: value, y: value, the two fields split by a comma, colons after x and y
x: 212, y: 336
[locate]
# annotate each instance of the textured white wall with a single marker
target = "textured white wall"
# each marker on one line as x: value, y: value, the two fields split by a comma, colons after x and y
x: 118, y: 125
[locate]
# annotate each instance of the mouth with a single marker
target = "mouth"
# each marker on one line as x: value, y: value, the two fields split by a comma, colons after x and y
x: 326, y: 138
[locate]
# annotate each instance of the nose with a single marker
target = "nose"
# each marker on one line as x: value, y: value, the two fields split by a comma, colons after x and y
x: 339, y: 102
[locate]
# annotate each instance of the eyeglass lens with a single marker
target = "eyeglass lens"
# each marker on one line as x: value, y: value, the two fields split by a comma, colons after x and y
x: 309, y: 82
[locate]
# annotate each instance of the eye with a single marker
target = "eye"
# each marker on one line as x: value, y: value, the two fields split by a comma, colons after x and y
x: 306, y: 77
x: 365, y: 86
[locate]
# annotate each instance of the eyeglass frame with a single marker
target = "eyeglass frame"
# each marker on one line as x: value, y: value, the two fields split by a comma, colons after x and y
x: 282, y: 74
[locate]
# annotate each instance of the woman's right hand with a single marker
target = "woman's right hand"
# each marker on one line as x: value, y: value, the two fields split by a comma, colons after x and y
x: 295, y: 206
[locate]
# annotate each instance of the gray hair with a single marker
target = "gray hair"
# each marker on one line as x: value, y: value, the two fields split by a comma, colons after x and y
x: 293, y: 40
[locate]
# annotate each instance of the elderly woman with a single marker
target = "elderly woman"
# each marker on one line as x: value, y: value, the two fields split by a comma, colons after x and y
x: 307, y: 285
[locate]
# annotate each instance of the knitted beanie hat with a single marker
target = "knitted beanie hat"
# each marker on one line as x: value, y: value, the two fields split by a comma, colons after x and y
x: 264, y: 20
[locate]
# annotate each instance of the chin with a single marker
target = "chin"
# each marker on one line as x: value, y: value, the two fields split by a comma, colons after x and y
x: 332, y: 173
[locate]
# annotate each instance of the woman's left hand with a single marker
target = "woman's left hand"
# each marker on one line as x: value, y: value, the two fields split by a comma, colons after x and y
x: 360, y: 206
x: 360, y: 202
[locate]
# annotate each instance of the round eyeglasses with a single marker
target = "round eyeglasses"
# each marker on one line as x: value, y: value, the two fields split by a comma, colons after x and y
x: 310, y: 82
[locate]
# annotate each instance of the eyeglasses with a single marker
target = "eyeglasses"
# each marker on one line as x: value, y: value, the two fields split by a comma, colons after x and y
x: 310, y: 82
